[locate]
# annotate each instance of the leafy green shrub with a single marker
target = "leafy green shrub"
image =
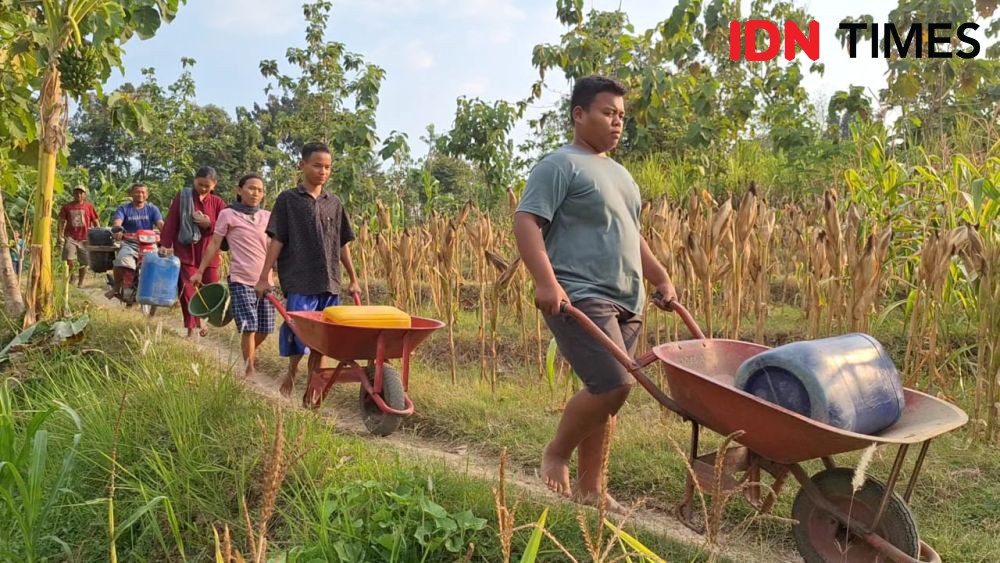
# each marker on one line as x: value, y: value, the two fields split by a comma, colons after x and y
x: 374, y: 521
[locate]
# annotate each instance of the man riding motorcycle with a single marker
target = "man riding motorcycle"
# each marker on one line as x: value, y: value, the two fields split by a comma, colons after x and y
x: 129, y: 219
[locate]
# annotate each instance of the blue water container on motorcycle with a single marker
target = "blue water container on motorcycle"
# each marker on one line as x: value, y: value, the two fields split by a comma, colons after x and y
x: 158, y: 280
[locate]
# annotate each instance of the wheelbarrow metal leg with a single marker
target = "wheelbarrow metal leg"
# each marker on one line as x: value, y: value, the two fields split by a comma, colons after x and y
x: 917, y: 465
x: 319, y: 384
x: 374, y: 389
x: 407, y: 349
x: 379, y: 362
x: 890, y: 484
x: 685, y: 510
x: 891, y: 551
x: 770, y: 496
x: 382, y: 405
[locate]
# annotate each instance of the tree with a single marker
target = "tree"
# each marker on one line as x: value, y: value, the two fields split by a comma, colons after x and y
x: 76, y: 42
x: 933, y: 92
x: 685, y: 91
x: 314, y: 106
x: 17, y: 133
x: 846, y: 107
x: 176, y: 136
x: 481, y: 133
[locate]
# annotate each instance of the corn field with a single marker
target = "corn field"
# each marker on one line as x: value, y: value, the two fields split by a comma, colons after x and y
x: 918, y: 248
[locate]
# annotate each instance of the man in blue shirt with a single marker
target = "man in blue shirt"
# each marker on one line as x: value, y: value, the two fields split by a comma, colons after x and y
x: 132, y: 217
x: 138, y: 215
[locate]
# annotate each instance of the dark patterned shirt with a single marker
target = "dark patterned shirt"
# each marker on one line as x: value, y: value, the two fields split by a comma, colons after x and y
x: 312, y: 231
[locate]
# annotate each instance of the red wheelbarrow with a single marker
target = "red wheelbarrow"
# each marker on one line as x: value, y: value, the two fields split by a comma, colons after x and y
x: 384, y: 400
x: 834, y: 522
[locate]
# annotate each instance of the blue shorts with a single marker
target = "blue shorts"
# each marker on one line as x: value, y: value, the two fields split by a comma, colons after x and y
x: 251, y: 313
x: 288, y: 343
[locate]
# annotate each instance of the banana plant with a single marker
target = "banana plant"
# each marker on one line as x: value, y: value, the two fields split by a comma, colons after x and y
x: 77, y: 42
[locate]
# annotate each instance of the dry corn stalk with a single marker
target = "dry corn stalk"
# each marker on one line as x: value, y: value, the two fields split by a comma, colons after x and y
x: 819, y: 270
x: 761, y: 269
x: 364, y: 242
x: 405, y: 261
x: 704, y: 253
x: 746, y: 222
x: 835, y: 257
x: 448, y: 278
x: 483, y: 240
x: 500, y: 287
x: 986, y: 254
x: 935, y: 263
x: 384, y: 247
x: 866, y: 278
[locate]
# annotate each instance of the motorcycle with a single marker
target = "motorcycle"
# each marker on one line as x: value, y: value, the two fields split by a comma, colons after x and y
x: 141, y: 242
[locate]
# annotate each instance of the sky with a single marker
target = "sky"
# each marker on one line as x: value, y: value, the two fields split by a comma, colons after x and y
x: 433, y: 51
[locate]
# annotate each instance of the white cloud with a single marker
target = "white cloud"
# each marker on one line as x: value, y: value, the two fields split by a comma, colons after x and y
x: 473, y: 88
x: 491, y: 10
x: 261, y: 17
x: 494, y: 20
x: 417, y: 56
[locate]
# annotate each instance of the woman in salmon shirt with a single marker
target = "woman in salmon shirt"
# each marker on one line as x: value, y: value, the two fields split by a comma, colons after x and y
x: 243, y: 225
x: 205, y: 208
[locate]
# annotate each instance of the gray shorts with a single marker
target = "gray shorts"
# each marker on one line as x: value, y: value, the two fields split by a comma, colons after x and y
x: 74, y: 251
x: 595, y: 366
x: 127, y: 256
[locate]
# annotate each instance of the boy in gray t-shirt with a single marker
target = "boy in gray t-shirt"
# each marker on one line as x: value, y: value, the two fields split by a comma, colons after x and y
x: 577, y: 230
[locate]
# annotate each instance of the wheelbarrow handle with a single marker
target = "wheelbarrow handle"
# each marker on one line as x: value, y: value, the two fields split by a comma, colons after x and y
x: 689, y: 322
x: 597, y: 334
x: 633, y: 367
x: 269, y: 294
x: 684, y: 314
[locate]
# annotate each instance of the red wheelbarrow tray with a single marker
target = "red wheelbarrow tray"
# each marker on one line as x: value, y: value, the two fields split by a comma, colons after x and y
x: 700, y: 374
x: 346, y: 343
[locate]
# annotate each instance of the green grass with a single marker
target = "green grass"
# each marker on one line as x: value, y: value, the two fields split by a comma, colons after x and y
x: 190, y: 447
x: 955, y: 503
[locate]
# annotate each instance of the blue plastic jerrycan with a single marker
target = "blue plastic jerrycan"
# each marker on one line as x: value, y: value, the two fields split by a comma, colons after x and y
x: 158, y: 280
x: 845, y: 381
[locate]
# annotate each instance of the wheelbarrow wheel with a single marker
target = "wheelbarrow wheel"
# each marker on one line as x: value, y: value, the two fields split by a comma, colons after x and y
x: 149, y: 310
x: 377, y: 422
x: 821, y: 538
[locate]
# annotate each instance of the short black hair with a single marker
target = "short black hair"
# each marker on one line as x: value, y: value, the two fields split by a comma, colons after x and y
x: 248, y: 177
x: 207, y: 172
x: 588, y: 87
x: 309, y: 148
x: 243, y: 180
x: 137, y: 185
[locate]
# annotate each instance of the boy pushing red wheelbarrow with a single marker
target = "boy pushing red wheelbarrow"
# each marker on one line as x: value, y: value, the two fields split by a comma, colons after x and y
x: 577, y: 229
x: 309, y: 232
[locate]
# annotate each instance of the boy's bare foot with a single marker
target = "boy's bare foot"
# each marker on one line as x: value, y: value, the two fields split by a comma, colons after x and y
x: 203, y: 332
x: 249, y: 373
x: 555, y: 473
x: 591, y: 499
x: 287, y: 385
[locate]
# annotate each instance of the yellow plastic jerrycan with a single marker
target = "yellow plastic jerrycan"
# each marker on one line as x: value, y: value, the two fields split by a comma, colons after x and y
x: 368, y: 316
